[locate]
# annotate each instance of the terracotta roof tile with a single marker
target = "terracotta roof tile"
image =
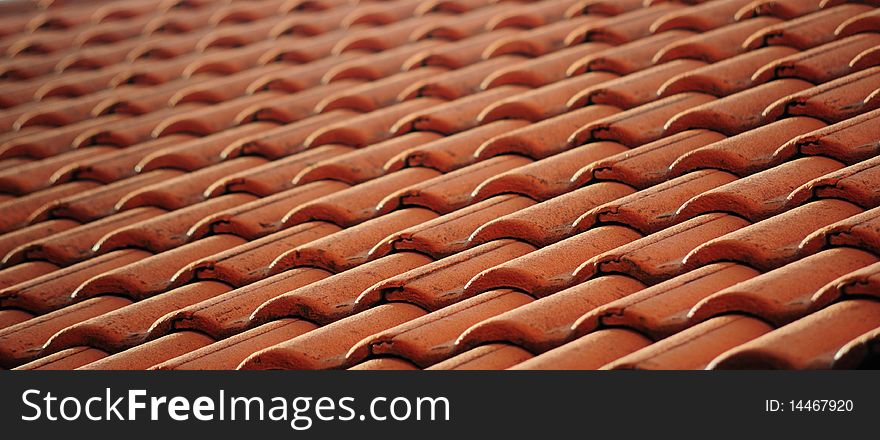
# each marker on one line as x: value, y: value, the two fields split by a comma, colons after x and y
x: 766, y: 244
x: 251, y: 261
x: 485, y: 357
x: 760, y: 195
x: 443, y: 282
x: 22, y: 272
x: 128, y: 326
x: 546, y: 101
x: 656, y: 208
x: 724, y: 77
x: 663, y: 254
x: 811, y: 342
x: 857, y: 231
x: 432, y: 337
x: 317, y: 303
x: 131, y: 280
x: 450, y: 233
x: 715, y: 45
x: 23, y: 342
x: 640, y: 125
x: 748, y: 152
x: 775, y: 296
x: 547, y: 322
x: 588, y: 352
x: 695, y: 347
x: 806, y: 31
x: 662, y: 309
x: 529, y: 273
x: 79, y: 243
x: 548, y: 177
x: 833, y: 101
x: 448, y: 153
x: 228, y: 313
x: 647, y: 165
x: 350, y: 247
x: 544, y: 138
x: 69, y: 359
x: 820, y: 64
x: 276, y: 184
x: 328, y: 346
x: 53, y: 290
x: 850, y: 141
x: 635, y: 89
x: 385, y: 363
x: 550, y: 221
x: 228, y: 353
x: 151, y: 353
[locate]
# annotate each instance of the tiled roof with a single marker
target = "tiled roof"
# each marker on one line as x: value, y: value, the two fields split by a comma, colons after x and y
x: 439, y: 184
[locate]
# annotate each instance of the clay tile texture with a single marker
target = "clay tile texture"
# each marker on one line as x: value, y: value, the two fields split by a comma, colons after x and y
x: 423, y: 184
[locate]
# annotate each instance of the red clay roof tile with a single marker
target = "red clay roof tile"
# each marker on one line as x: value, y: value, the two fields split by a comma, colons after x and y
x: 69, y: 359
x: 850, y: 141
x: 546, y: 323
x: 860, y: 230
x: 833, y: 101
x: 806, y: 31
x: 852, y: 183
x: 277, y: 175
x: 385, y: 364
x: 431, y: 338
x: 450, y: 233
x: 357, y: 204
x: 649, y: 164
x: 23, y: 342
x: 656, y: 208
x: 715, y: 45
x: 127, y: 326
x: 640, y: 125
x: 543, y: 102
x: 662, y: 309
x: 695, y: 347
x: 228, y: 353
x: 766, y: 244
x: 151, y: 353
x: 748, y: 152
x: 760, y: 195
x: 544, y: 138
x: 53, y: 290
x: 724, y: 77
x: 548, y: 177
x: 263, y: 216
x: 635, y: 89
x: 135, y: 281
x: 661, y: 255
x: 327, y: 347
x: 229, y: 313
x: 22, y: 272
x: 251, y: 261
x: 550, y: 221
x: 443, y: 282
x: 455, y: 190
x: 350, y: 247
x: 809, y: 343
x: 588, y: 352
x: 550, y: 269
x: 784, y: 294
x: 448, y: 153
x: 485, y: 357
x: 79, y: 243
x: 320, y: 303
